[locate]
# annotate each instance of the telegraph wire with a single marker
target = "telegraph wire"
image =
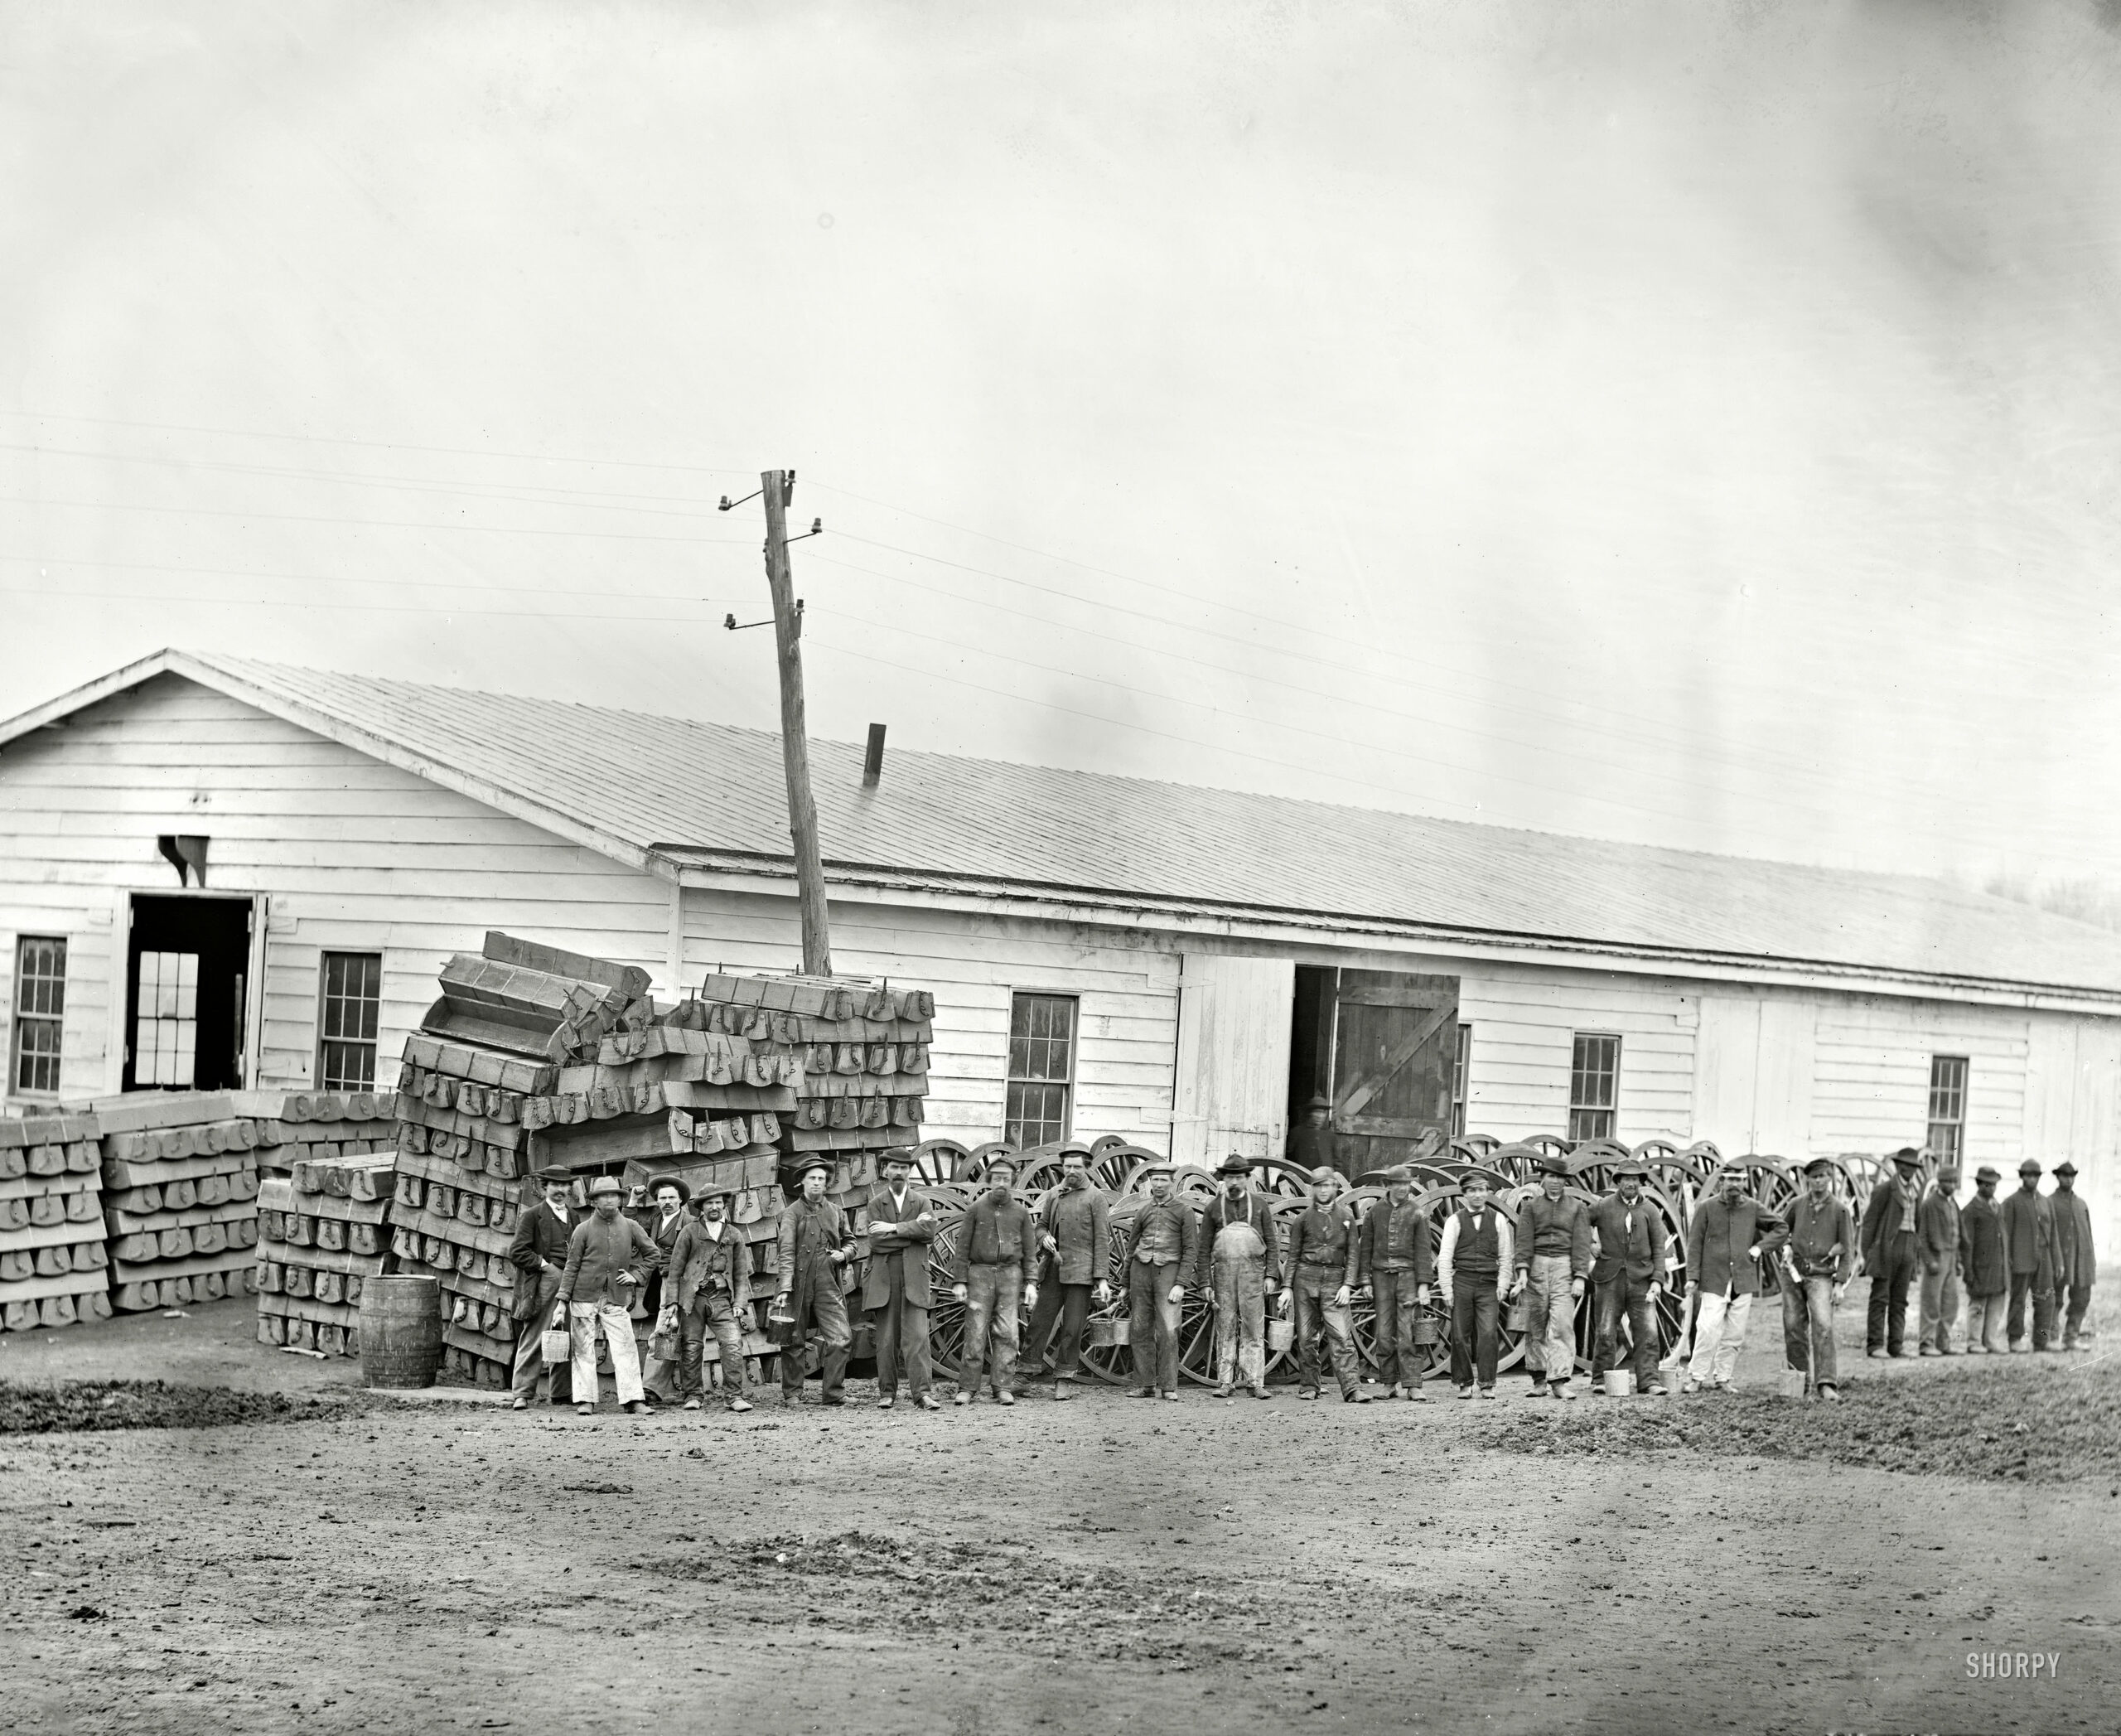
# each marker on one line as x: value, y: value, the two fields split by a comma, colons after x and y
x: 298, y: 518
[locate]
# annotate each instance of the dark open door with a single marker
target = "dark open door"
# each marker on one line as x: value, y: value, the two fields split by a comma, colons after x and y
x: 1395, y: 1038
x: 186, y: 993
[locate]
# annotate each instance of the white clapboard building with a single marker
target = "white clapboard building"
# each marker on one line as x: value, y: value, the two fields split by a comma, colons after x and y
x: 214, y: 871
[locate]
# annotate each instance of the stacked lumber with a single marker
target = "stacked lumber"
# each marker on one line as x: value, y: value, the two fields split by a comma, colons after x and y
x: 297, y: 1127
x: 521, y: 998
x: 180, y: 1198
x: 320, y: 1231
x: 54, y: 1269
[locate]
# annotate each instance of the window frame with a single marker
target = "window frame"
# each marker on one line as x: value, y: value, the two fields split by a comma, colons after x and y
x: 323, y: 1080
x: 1578, y: 1072
x: 1954, y: 1148
x: 48, y: 1017
x: 1461, y: 1078
x: 1064, y: 1084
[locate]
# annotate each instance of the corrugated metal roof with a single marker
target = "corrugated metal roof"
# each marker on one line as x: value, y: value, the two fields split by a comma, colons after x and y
x: 687, y: 787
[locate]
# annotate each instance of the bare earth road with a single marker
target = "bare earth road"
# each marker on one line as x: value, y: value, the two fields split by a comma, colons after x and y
x: 1115, y: 1564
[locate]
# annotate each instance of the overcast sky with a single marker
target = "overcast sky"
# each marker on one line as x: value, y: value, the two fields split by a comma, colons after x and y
x: 1687, y: 423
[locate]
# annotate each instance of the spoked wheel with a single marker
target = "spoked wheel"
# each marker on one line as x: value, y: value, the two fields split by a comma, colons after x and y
x: 1475, y: 1147
x: 1586, y: 1305
x: 1117, y: 1166
x: 946, y: 1313
x: 939, y: 1160
x: 1114, y: 1364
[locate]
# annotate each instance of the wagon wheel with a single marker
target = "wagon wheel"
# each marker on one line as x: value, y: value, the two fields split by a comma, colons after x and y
x: 938, y: 1160
x: 1114, y: 1364
x: 1590, y: 1165
x: 1039, y: 1178
x: 946, y: 1313
x: 1286, y: 1212
x: 1116, y: 1165
x: 1475, y: 1147
x: 1585, y: 1307
x: 1517, y: 1161
x: 1862, y: 1171
x: 976, y: 1159
x: 1195, y: 1185
x: 1282, y: 1180
x: 1776, y: 1186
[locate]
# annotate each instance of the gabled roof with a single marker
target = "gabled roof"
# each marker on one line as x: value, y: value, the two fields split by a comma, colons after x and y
x: 671, y: 793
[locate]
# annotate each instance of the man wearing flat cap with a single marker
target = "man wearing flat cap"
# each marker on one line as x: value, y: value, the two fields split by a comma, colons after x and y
x: 538, y: 1251
x: 1818, y: 1261
x: 2074, y: 1266
x: 812, y: 1248
x: 2029, y: 1234
x: 1936, y: 1245
x: 1554, y: 1264
x: 996, y: 1266
x: 1075, y: 1235
x: 607, y: 1257
x: 1984, y: 1265
x: 1889, y: 1254
x: 1163, y: 1243
x: 1629, y: 1276
x: 709, y: 1286
x: 1240, y: 1257
x: 895, y: 1286
x: 1322, y: 1262
x: 1311, y: 1142
x: 667, y: 1216
x: 1393, y: 1258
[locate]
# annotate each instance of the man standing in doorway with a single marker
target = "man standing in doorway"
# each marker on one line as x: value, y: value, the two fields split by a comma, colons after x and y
x: 1889, y: 1254
x: 606, y: 1257
x: 1553, y: 1261
x: 1241, y: 1255
x: 538, y: 1253
x: 709, y: 1284
x: 2075, y: 1267
x: 1162, y: 1248
x: 1936, y: 1245
x: 2029, y: 1233
x: 1473, y: 1266
x: 895, y: 1289
x: 1322, y: 1262
x: 997, y: 1261
x: 1819, y: 1260
x: 1984, y: 1264
x: 1076, y: 1232
x: 811, y: 1246
x: 1394, y: 1259
x: 1728, y: 1232
x: 1311, y: 1142
x: 1629, y: 1273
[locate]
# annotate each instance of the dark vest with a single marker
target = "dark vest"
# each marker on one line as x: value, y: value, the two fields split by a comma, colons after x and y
x: 1479, y: 1251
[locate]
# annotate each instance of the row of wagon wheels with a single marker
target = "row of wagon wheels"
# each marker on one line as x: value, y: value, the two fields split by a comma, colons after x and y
x: 951, y: 1174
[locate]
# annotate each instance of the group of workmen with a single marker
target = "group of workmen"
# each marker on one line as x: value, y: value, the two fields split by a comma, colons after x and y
x: 1030, y: 1279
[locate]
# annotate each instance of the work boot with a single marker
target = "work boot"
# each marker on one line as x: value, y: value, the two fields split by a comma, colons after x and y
x: 637, y: 1407
x: 962, y: 1398
x: 1306, y: 1392
x: 1465, y: 1392
x: 1010, y: 1398
x: 1487, y: 1392
x: 929, y: 1401
x: 1931, y: 1349
x: 738, y: 1406
x: 1260, y: 1391
x: 691, y: 1403
x: 1355, y: 1398
x: 1398, y: 1391
x: 585, y: 1410
x: 1563, y: 1390
x: 1223, y: 1391
x: 1830, y: 1392
x: 1416, y: 1394
x: 1172, y: 1395
x: 886, y: 1400
x: 1876, y: 1353
x: 520, y: 1404
x: 832, y: 1400
x: 1145, y: 1392
x: 1064, y: 1390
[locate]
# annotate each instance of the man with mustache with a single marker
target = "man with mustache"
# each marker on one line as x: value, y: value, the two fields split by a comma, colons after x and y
x: 996, y: 1266
x: 1240, y: 1257
x: 1076, y: 1233
x: 1162, y: 1246
x: 709, y: 1285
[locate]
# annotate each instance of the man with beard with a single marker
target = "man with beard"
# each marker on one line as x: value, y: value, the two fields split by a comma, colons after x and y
x: 1322, y: 1259
x: 2075, y: 1267
x: 538, y: 1253
x: 1241, y: 1263
x: 2029, y: 1232
x: 709, y: 1286
x: 996, y: 1263
x: 895, y: 1289
x: 1394, y: 1259
x: 1075, y: 1233
x: 1889, y: 1254
x: 1554, y: 1264
x: 1984, y: 1265
x: 812, y: 1245
x: 1629, y: 1276
x: 1162, y: 1246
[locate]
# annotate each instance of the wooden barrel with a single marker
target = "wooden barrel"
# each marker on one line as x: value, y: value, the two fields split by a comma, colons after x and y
x: 401, y: 1330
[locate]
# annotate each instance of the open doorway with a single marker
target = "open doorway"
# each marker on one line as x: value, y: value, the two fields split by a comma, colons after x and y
x: 187, y: 994
x: 1379, y: 1046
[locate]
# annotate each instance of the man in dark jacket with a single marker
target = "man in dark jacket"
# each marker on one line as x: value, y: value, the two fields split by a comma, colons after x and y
x: 661, y: 1379
x: 1239, y: 1263
x: 1727, y: 1233
x: 1163, y: 1243
x: 1984, y: 1264
x: 1817, y: 1260
x: 1393, y: 1258
x: 1311, y: 1142
x: 1322, y: 1261
x: 1889, y: 1254
x: 995, y: 1271
x: 1936, y: 1245
x: 606, y: 1258
x: 538, y: 1253
x: 2029, y: 1232
x: 1629, y: 1273
x: 708, y: 1284
x: 895, y: 1286
x: 2075, y: 1265
x: 1076, y: 1232
x: 1553, y: 1263
x: 812, y: 1246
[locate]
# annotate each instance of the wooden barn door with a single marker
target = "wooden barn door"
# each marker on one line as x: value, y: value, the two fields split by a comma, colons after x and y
x: 1395, y: 1038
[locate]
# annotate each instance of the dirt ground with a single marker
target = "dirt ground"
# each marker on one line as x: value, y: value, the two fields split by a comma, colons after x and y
x: 1113, y: 1564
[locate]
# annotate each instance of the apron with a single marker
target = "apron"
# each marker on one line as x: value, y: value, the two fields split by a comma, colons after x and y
x: 1240, y: 1257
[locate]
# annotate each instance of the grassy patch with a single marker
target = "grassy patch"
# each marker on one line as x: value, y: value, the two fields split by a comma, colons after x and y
x: 67, y: 1406
x: 2032, y: 1419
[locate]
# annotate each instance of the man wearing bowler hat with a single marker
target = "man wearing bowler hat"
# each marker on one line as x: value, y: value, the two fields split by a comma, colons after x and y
x: 1393, y: 1258
x: 709, y: 1287
x: 605, y: 1259
x: 2029, y: 1234
x: 895, y: 1286
x: 1240, y: 1256
x: 1984, y: 1264
x: 812, y: 1246
x: 1553, y: 1263
x: 538, y: 1253
x: 2075, y: 1267
x: 1889, y: 1254
x: 1629, y: 1276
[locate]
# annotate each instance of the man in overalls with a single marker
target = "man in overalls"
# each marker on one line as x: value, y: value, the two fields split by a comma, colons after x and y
x: 1242, y: 1250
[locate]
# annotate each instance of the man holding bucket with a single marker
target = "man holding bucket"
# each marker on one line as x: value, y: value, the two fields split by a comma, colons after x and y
x: 605, y: 1259
x: 1242, y: 1256
x: 1629, y: 1274
x: 538, y: 1253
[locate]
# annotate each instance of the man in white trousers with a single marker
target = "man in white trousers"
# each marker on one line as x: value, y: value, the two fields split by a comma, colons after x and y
x: 606, y: 1258
x: 1728, y: 1234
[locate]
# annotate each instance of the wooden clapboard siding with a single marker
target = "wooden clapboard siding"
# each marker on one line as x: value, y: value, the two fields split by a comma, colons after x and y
x: 1871, y: 1086
x: 353, y: 854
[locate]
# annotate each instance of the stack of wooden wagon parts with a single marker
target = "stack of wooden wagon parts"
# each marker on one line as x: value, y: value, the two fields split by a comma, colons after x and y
x: 322, y: 1231
x: 54, y: 1269
x: 180, y: 1197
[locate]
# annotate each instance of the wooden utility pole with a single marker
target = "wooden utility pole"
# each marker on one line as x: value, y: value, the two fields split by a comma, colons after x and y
x: 795, y: 741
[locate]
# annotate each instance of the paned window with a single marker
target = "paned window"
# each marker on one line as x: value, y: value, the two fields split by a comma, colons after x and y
x: 1594, y: 1077
x: 39, y: 1014
x: 166, y: 1019
x: 1947, y: 1106
x: 1458, y: 1080
x: 350, y: 989
x: 1041, y: 1069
